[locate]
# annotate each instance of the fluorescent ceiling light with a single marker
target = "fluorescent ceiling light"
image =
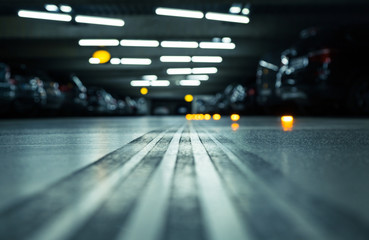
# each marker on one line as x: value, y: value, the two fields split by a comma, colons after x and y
x: 226, y: 40
x: 115, y: 61
x: 98, y: 42
x: 227, y: 17
x: 245, y: 11
x: 160, y: 83
x: 179, y: 71
x: 51, y: 7
x: 179, y: 13
x: 198, y: 77
x: 136, y: 61
x: 189, y: 83
x: 45, y: 15
x: 206, y: 70
x: 100, y: 20
x: 139, y: 43
x: 175, y: 59
x: 179, y: 44
x: 150, y: 77
x: 140, y: 83
x: 94, y: 61
x: 207, y: 59
x: 65, y: 8
x: 147, y: 83
x: 217, y: 45
x: 235, y: 9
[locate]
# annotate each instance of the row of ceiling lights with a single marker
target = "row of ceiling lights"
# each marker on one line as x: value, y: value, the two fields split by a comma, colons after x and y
x: 53, y: 15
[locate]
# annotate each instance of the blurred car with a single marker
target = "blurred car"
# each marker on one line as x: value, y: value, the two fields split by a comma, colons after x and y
x: 7, y: 90
x: 74, y: 93
x: 30, y: 94
x: 242, y: 98
x: 100, y: 101
x: 327, y: 67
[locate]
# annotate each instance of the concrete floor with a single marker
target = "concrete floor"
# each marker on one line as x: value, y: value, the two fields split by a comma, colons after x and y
x: 168, y: 178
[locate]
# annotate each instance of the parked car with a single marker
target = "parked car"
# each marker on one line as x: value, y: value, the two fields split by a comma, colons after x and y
x: 74, y: 93
x: 30, y: 94
x: 7, y: 89
x: 100, y: 101
x: 327, y: 67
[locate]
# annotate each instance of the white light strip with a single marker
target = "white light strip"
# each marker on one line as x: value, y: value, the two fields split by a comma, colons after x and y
x: 115, y: 61
x: 198, y: 77
x: 189, y: 83
x: 245, y: 11
x: 268, y: 65
x: 175, y: 59
x: 179, y: 13
x: 45, y: 15
x: 147, y: 83
x: 140, y: 83
x: 94, y: 61
x: 98, y: 42
x: 235, y: 9
x: 51, y: 7
x: 136, y: 61
x: 207, y: 70
x: 150, y: 77
x: 207, y: 59
x: 100, y: 20
x: 217, y: 45
x: 179, y: 44
x: 179, y: 71
x: 227, y: 17
x: 160, y: 83
x: 66, y: 8
x: 139, y: 43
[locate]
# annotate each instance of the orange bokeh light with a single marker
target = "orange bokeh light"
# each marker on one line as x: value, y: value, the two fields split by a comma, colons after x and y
x: 235, y: 126
x: 189, y: 117
x: 235, y: 117
x: 207, y: 117
x: 216, y: 117
x: 287, y: 123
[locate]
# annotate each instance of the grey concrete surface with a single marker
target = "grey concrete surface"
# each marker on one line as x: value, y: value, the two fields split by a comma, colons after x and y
x: 168, y: 178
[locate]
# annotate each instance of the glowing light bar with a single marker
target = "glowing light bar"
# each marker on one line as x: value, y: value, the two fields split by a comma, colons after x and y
x: 245, y: 11
x: 179, y: 71
x: 115, y: 61
x: 136, y: 61
x: 100, y: 20
x: 94, y: 61
x: 65, y: 8
x: 206, y: 59
x: 198, y: 77
x: 227, y: 17
x: 51, y: 7
x: 150, y: 77
x: 175, y: 59
x: 217, y: 45
x: 268, y: 65
x: 139, y: 43
x: 98, y: 42
x: 140, y: 83
x: 189, y: 83
x: 179, y: 13
x: 160, y: 83
x: 147, y: 83
x: 207, y: 70
x: 179, y: 44
x: 235, y: 9
x: 45, y: 15
x: 226, y: 39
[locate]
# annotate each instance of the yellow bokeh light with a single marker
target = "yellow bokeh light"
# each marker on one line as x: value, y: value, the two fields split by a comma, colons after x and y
x: 189, y: 117
x: 144, y: 91
x: 287, y: 123
x: 188, y: 98
x: 207, y: 117
x: 235, y: 126
x: 216, y: 117
x: 102, y: 55
x: 235, y: 117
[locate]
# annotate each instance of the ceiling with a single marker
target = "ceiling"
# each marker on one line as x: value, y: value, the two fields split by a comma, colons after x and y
x: 274, y: 25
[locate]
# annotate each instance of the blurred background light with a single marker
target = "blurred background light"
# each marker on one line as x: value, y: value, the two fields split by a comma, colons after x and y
x: 98, y: 42
x: 287, y: 123
x: 227, y: 17
x: 188, y: 98
x: 45, y: 15
x: 217, y: 117
x: 189, y: 83
x: 179, y: 13
x: 94, y: 61
x: 198, y: 77
x: 207, y: 59
x: 144, y: 91
x: 179, y: 71
x: 115, y: 61
x: 139, y: 43
x: 175, y: 59
x: 136, y: 61
x: 99, y: 20
x: 205, y: 70
x: 179, y: 44
x: 66, y: 8
x: 217, y: 45
x: 51, y: 7
x: 235, y: 117
x: 150, y: 77
x: 103, y: 55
